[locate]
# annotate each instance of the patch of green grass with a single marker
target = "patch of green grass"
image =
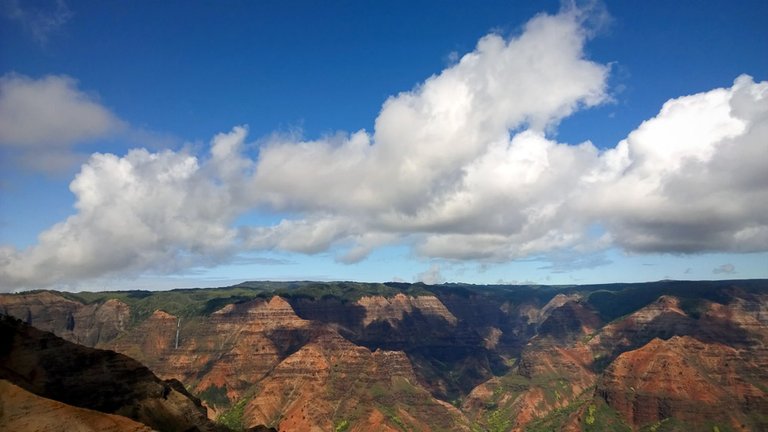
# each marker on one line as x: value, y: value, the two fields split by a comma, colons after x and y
x: 391, y: 413
x: 554, y: 420
x: 404, y: 387
x: 341, y: 426
x: 499, y: 420
x: 397, y: 421
x: 590, y: 420
x: 672, y: 424
x: 377, y: 391
x: 233, y: 418
x: 183, y: 302
x: 600, y: 417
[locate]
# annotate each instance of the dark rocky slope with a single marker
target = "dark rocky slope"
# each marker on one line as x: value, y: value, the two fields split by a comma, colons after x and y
x: 99, y: 380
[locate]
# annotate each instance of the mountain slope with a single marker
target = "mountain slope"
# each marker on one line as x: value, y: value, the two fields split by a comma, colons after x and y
x: 21, y: 410
x: 683, y: 379
x: 104, y: 381
x: 351, y: 356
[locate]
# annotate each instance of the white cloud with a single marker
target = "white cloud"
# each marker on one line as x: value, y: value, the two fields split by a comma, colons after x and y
x: 42, y: 121
x: 691, y: 179
x: 459, y: 168
x: 431, y: 276
x: 50, y: 112
x: 162, y: 211
x: 724, y: 269
x: 441, y: 153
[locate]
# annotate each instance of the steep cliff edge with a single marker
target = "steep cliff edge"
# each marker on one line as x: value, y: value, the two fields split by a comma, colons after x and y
x: 685, y: 380
x: 450, y: 355
x: 330, y: 383
x: 393, y: 310
x: 220, y: 355
x: 105, y: 381
x: 21, y: 410
x: 553, y: 372
x: 85, y: 324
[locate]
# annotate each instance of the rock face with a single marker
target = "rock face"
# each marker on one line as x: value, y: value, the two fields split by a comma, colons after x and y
x: 76, y: 322
x: 224, y: 353
x: 21, y: 410
x: 686, y: 379
x: 391, y: 357
x: 264, y: 344
x: 553, y: 371
x: 571, y: 319
x: 393, y: 310
x: 104, y: 381
x: 428, y: 330
x: 330, y: 382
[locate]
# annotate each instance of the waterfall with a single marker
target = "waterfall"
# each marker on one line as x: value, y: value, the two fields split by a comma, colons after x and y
x: 178, y: 324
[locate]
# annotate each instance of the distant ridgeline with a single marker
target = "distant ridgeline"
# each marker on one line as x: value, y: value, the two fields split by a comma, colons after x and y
x: 335, y: 356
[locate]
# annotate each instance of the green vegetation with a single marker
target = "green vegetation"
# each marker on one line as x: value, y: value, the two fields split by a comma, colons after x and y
x: 615, y: 300
x: 600, y: 417
x: 390, y: 412
x: 215, y: 396
x: 341, y: 426
x: 377, y: 391
x: 233, y: 418
x: 183, y: 302
x: 610, y: 300
x: 498, y: 409
x: 672, y: 425
x: 499, y: 420
x: 553, y: 421
x: 655, y: 427
x: 197, y: 302
x: 590, y: 420
x: 403, y: 387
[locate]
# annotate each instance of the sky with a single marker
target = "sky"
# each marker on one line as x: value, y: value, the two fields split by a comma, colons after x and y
x: 157, y: 145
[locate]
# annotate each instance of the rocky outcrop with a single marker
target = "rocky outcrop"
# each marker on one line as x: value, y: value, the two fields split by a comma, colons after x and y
x: 547, y: 378
x: 21, y: 410
x: 72, y: 320
x: 662, y: 319
x: 225, y: 352
x: 745, y: 317
x: 568, y: 321
x: 104, y: 381
x: 450, y: 355
x: 685, y: 379
x: 331, y: 382
x: 730, y: 324
x: 392, y: 310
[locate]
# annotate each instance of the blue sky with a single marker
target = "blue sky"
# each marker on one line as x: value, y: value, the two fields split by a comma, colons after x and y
x: 380, y: 141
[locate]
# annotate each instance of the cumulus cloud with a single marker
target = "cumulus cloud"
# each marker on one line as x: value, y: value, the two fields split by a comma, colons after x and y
x: 161, y: 211
x: 50, y: 112
x: 431, y: 276
x: 459, y: 168
x: 691, y: 179
x: 441, y: 153
x: 43, y: 120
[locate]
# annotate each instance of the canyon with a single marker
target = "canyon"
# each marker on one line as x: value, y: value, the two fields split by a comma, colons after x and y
x: 345, y: 356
